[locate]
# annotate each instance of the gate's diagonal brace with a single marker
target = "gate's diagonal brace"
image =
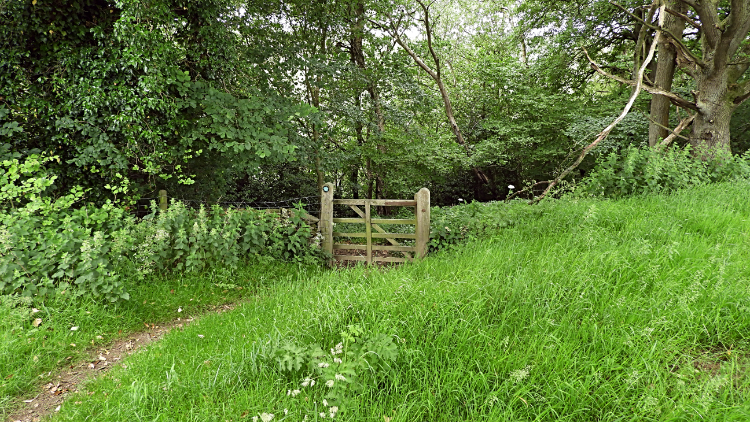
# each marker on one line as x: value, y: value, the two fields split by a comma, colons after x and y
x: 381, y: 230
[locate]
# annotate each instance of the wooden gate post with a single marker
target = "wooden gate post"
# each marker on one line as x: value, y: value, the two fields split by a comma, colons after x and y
x: 163, y: 204
x: 422, y: 215
x: 326, y: 217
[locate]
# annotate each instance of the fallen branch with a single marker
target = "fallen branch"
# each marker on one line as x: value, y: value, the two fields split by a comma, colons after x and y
x: 603, y: 134
x: 676, y: 132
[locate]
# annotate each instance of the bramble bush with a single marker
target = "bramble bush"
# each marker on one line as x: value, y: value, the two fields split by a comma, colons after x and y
x: 57, y: 245
x: 651, y: 170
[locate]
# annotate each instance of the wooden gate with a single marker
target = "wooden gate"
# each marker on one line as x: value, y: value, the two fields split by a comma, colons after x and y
x: 421, y: 221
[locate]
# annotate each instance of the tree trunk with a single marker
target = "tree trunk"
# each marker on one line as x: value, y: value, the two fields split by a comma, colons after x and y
x: 665, y: 68
x: 711, y: 126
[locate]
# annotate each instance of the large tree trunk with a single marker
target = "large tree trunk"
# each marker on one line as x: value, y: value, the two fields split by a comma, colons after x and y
x: 665, y: 68
x: 715, y: 107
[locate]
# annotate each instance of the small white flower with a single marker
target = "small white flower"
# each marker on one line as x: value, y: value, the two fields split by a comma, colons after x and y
x: 179, y: 309
x: 336, y: 360
x: 460, y: 200
x: 201, y: 336
x: 333, y: 410
x: 73, y: 328
x: 306, y: 382
x: 286, y: 411
x: 288, y: 392
x: 266, y: 417
x: 329, y: 383
x: 325, y: 402
x: 255, y: 419
x: 322, y: 415
x: 295, y: 392
x: 339, y: 377
x: 333, y: 415
x: 323, y: 365
x: 511, y: 187
x: 312, y: 383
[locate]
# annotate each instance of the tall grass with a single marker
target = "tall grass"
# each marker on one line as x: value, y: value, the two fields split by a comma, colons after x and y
x: 636, y: 309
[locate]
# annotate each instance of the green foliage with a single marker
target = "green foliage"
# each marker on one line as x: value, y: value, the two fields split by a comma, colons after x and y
x: 453, y: 226
x: 650, y: 170
x: 50, y: 246
x: 360, y: 358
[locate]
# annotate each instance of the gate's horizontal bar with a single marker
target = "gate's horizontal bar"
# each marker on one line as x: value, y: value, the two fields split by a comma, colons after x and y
x: 335, y: 234
x: 377, y: 202
x: 390, y: 236
x: 349, y: 220
x: 389, y: 259
x: 394, y: 248
x: 392, y: 221
x: 350, y: 258
x: 338, y: 247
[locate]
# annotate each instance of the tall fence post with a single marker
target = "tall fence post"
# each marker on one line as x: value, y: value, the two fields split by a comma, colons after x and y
x: 326, y: 217
x: 163, y: 200
x: 422, y: 216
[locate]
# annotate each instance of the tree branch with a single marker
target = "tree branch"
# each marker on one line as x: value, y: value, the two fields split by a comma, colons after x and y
x: 685, y: 17
x: 709, y: 22
x: 667, y: 128
x: 428, y: 31
x: 676, y: 132
x: 674, y: 98
x: 743, y: 97
x: 678, y: 42
x: 603, y: 134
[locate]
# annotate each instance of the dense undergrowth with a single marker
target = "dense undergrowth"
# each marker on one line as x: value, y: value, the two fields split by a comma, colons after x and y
x: 63, y: 246
x: 585, y: 309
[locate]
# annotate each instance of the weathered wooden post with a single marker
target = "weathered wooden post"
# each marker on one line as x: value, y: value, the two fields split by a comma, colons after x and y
x: 422, y: 216
x: 163, y: 200
x: 326, y: 217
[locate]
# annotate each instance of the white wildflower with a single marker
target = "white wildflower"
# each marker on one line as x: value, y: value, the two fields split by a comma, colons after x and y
x: 520, y: 374
x: 329, y: 383
x: 286, y: 411
x: 511, y: 187
x: 336, y: 360
x: 295, y: 392
x: 306, y: 382
x: 322, y: 415
x: 266, y: 417
x: 334, y: 409
x: 255, y: 419
x: 460, y: 200
x: 340, y: 377
x: 323, y: 365
x: 325, y: 402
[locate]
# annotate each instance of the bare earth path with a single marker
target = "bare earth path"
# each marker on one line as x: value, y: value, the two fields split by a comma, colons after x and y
x: 101, y: 359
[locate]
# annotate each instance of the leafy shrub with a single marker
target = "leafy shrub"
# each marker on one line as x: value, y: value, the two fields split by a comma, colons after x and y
x: 651, y: 170
x: 450, y: 226
x: 50, y: 246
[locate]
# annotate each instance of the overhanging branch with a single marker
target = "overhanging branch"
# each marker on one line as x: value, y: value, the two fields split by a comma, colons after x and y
x: 674, y: 98
x: 678, y: 42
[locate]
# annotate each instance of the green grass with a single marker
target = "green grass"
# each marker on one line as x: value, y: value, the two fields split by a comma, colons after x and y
x: 584, y: 310
x: 30, y: 355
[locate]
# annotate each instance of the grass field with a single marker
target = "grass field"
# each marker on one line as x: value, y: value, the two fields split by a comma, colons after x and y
x: 583, y: 310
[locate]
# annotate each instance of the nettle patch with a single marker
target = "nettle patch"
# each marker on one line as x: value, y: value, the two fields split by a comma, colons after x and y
x: 51, y: 246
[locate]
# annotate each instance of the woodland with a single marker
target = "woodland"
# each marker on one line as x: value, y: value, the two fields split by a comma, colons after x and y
x: 268, y: 100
